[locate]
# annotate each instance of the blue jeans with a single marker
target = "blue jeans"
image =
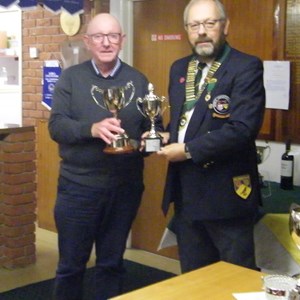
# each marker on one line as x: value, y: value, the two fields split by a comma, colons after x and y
x: 86, y: 216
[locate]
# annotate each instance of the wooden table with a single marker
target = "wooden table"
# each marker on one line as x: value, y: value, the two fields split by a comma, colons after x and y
x: 217, y: 281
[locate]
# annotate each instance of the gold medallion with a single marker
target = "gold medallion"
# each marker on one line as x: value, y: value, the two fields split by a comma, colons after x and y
x: 207, y: 97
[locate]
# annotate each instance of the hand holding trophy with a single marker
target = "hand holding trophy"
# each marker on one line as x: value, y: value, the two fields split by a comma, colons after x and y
x: 113, y: 100
x: 150, y: 107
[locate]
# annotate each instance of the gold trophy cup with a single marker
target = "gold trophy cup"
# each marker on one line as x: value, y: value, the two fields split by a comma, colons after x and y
x: 150, y: 107
x: 113, y: 100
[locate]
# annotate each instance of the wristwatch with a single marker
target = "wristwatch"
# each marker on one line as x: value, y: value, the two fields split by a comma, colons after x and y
x: 187, y: 152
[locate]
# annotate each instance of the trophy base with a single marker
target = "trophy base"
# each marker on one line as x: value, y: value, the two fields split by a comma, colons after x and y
x: 119, y: 146
x: 152, y: 144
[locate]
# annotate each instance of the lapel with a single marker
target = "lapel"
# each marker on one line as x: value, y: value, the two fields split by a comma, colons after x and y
x: 178, y: 94
x: 202, y: 106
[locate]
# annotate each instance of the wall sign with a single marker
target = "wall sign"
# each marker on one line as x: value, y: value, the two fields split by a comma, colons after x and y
x: 166, y: 37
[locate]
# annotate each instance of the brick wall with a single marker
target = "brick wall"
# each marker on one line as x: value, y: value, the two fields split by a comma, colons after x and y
x: 41, y: 29
x: 17, y: 198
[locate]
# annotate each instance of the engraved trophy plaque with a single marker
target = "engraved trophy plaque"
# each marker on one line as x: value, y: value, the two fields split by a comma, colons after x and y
x: 150, y: 107
x: 113, y: 100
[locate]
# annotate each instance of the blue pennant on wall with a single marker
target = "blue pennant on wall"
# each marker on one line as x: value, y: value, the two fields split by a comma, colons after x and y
x: 73, y: 6
x: 53, y: 5
x: 7, y: 3
x: 27, y: 4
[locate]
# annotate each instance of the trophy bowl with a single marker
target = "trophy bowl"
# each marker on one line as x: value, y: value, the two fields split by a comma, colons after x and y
x: 113, y: 100
x: 150, y: 107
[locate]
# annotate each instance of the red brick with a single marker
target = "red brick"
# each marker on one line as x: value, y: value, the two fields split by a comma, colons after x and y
x: 19, y: 220
x: 18, y: 157
x: 18, y: 210
x: 9, y: 189
x: 19, y: 230
x: 19, y: 199
x: 21, y: 241
x: 14, y: 252
x: 16, y: 179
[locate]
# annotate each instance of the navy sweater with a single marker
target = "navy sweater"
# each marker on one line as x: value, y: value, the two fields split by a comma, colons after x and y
x: 75, y: 109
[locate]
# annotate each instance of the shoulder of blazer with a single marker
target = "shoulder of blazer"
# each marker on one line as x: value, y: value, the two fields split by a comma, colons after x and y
x: 236, y: 55
x: 181, y: 63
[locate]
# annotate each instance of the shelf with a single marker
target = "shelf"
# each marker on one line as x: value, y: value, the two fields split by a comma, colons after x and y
x: 2, y: 55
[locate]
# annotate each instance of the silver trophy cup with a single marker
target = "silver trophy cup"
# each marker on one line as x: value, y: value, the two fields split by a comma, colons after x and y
x: 294, y: 224
x: 262, y: 153
x: 150, y: 107
x: 294, y: 228
x: 114, y: 100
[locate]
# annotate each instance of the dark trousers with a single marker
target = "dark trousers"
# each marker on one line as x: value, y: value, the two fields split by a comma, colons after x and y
x: 201, y: 243
x: 85, y: 216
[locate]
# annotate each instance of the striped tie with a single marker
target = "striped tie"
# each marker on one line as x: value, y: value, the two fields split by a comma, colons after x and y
x: 200, y: 67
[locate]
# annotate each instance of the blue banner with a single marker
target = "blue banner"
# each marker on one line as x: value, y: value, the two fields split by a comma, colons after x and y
x: 50, y: 77
x: 73, y: 6
x: 53, y: 5
x: 7, y: 3
x: 27, y: 4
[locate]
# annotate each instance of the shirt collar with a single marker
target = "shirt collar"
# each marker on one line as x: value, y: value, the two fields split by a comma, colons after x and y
x: 113, y: 71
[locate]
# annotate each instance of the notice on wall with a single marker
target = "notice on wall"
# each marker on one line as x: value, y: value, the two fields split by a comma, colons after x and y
x: 277, y: 84
x: 51, y: 73
x: 165, y: 37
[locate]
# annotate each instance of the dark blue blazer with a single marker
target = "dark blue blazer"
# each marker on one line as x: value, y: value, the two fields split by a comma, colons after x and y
x: 221, y: 142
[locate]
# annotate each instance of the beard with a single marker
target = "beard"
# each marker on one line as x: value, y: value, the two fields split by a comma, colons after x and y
x: 210, y: 50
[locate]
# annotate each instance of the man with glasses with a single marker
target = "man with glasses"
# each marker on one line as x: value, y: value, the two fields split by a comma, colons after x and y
x: 212, y: 175
x: 98, y: 194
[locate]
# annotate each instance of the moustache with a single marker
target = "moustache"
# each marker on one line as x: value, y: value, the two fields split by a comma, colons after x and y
x: 203, y: 41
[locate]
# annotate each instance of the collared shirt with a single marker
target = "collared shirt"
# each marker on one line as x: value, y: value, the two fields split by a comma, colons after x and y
x: 113, y: 71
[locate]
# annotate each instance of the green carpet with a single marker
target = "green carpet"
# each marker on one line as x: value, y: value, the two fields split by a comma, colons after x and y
x: 137, y: 276
x: 277, y: 200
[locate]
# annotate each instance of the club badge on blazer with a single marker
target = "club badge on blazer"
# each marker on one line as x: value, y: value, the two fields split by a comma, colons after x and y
x: 242, y: 185
x: 221, y: 106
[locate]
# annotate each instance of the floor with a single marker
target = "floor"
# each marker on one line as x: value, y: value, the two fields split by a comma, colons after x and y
x: 44, y: 268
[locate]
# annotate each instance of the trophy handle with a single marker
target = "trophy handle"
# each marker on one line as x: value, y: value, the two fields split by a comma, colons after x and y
x: 95, y: 88
x: 127, y: 87
x: 164, y: 105
x: 139, y: 100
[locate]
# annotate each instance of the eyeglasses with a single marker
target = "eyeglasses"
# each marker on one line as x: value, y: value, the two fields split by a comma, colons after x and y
x: 208, y: 25
x: 98, y: 38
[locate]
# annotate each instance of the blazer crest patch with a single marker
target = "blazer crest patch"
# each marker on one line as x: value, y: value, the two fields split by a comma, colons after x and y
x: 221, y: 106
x: 242, y: 185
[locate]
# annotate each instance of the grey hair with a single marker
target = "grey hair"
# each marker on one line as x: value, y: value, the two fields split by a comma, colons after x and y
x: 219, y: 4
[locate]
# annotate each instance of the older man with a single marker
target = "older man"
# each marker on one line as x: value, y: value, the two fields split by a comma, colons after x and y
x: 98, y: 192
x: 212, y: 176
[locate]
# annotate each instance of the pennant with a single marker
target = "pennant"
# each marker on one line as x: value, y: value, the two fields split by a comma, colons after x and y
x: 53, y: 5
x: 52, y: 71
x: 27, y: 4
x: 73, y: 6
x: 7, y: 3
